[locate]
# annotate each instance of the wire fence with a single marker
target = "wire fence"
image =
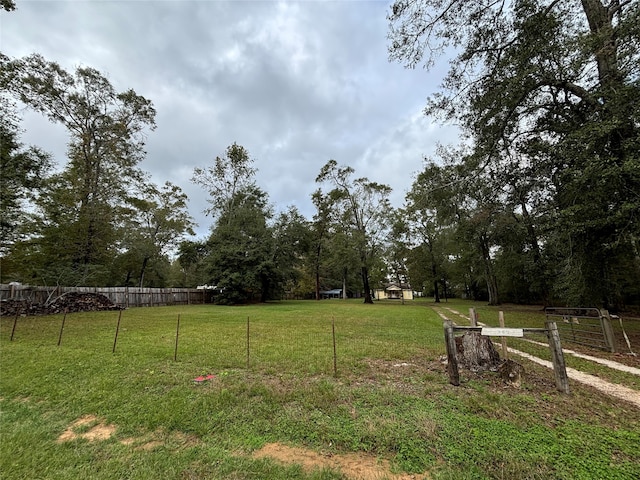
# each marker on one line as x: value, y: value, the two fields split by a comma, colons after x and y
x: 310, y: 347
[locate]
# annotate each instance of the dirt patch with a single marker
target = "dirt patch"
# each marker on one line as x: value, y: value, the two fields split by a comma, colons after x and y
x: 93, y: 429
x: 89, y: 428
x: 351, y: 465
x: 160, y: 438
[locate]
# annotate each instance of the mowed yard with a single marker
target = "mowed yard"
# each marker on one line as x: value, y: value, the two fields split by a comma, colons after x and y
x: 263, y: 392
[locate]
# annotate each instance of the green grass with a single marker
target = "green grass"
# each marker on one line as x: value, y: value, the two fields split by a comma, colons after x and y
x: 390, y: 398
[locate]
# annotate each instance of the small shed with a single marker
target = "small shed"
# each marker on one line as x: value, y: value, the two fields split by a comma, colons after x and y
x: 394, y: 291
x: 334, y: 293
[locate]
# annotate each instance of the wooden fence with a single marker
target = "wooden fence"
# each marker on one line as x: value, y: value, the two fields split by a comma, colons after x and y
x: 121, y: 296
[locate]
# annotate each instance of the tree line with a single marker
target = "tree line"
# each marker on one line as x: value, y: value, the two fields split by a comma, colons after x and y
x: 539, y: 202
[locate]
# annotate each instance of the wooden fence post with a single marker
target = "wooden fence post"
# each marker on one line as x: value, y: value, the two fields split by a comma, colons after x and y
x: 335, y: 355
x: 248, y: 338
x: 559, y: 367
x: 15, y: 321
x: 605, y: 321
x: 115, y: 338
x: 62, y: 326
x: 452, y: 359
x: 175, y: 351
x: 503, y: 340
x: 472, y: 317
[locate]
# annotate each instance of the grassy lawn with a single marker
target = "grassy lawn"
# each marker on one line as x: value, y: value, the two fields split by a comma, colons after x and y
x: 80, y: 411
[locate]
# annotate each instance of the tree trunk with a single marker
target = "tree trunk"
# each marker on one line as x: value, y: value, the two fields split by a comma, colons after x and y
x: 142, y: 270
x: 365, y: 285
x: 538, y: 268
x: 477, y: 353
x: 492, y: 282
x: 344, y: 284
x: 317, y: 271
x: 264, y: 288
x: 604, y: 46
x: 400, y: 285
x: 434, y: 273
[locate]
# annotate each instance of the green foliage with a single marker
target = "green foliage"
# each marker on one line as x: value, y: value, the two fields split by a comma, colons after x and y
x: 359, y: 211
x: 8, y: 5
x: 549, y: 95
x: 79, y: 209
x: 155, y: 222
x: 22, y: 171
x: 226, y: 179
x: 240, y: 249
x: 249, y: 255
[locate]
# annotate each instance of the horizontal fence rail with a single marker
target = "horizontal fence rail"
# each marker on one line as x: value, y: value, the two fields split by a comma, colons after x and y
x: 551, y: 331
x: 590, y: 327
x: 120, y: 296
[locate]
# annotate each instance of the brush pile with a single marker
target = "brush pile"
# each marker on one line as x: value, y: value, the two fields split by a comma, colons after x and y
x: 69, y: 302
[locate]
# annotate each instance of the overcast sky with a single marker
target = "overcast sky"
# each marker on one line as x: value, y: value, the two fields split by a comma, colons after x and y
x: 295, y: 83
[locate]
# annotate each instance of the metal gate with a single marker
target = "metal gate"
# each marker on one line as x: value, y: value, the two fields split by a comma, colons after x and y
x: 585, y: 326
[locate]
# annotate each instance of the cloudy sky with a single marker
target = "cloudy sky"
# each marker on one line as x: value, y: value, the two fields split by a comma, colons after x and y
x: 295, y: 83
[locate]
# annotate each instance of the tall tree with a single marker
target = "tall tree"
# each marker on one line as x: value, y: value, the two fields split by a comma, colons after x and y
x: 362, y: 209
x: 241, y: 246
x: 426, y: 218
x: 22, y: 174
x: 191, y: 259
x: 320, y: 232
x: 106, y: 143
x: 240, y: 259
x: 554, y: 83
x: 292, y: 241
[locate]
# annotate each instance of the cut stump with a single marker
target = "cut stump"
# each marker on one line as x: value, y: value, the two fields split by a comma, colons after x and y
x: 476, y: 352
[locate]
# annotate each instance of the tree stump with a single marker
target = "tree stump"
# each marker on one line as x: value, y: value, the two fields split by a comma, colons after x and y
x: 477, y: 353
x: 511, y: 373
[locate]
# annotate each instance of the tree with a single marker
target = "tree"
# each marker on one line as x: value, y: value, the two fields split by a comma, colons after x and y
x: 548, y: 91
x: 191, y: 258
x: 23, y: 171
x: 320, y: 231
x: 398, y: 252
x: 426, y: 219
x: 156, y: 222
x: 362, y: 210
x: 241, y: 258
x: 225, y: 179
x: 107, y: 134
x: 292, y: 240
